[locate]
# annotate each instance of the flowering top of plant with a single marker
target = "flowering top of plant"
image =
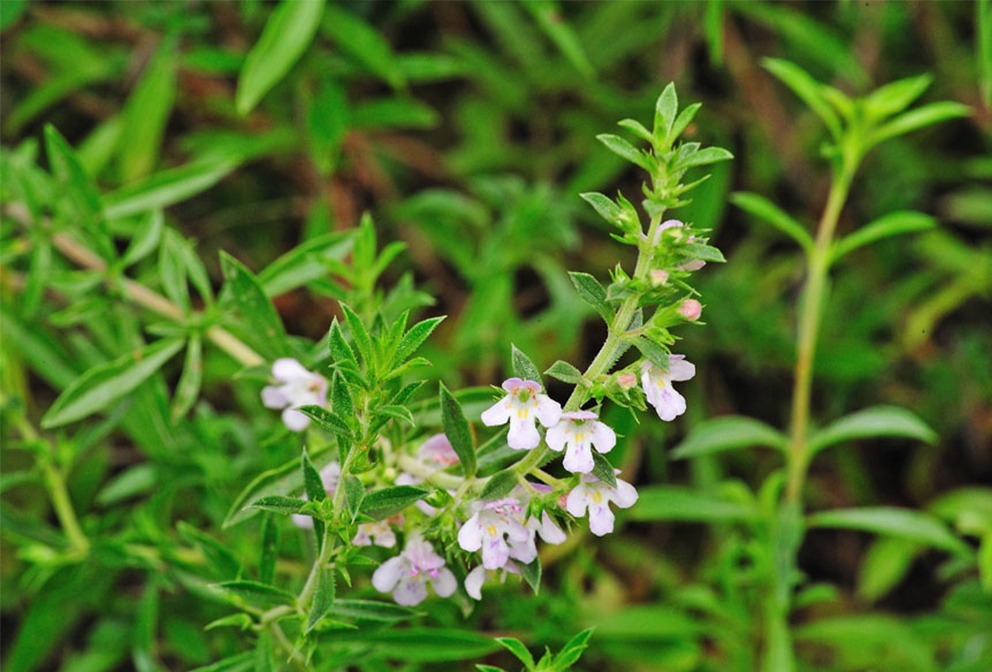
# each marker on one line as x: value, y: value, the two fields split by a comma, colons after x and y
x: 522, y: 407
x: 484, y: 507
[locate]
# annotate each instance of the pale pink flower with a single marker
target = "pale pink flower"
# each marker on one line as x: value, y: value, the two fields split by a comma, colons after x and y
x: 407, y: 574
x: 580, y: 431
x: 497, y: 528
x: 521, y: 407
x: 658, y: 388
x: 595, y: 496
x: 299, y: 387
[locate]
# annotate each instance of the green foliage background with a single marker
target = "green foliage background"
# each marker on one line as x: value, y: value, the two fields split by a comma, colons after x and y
x: 468, y: 130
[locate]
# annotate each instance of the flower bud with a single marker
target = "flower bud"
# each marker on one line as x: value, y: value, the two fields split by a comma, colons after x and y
x: 626, y: 381
x: 691, y: 309
x: 659, y: 278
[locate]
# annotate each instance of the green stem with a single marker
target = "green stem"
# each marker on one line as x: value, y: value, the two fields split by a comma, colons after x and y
x: 611, y: 346
x: 809, y: 324
x: 55, y: 483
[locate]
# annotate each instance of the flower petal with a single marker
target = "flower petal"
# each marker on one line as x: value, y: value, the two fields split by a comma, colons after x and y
x: 523, y: 434
x: 680, y: 369
x: 548, y: 410
x: 287, y: 369
x: 577, y: 500
x: 444, y: 584
x: 625, y: 496
x: 603, y: 438
x: 410, y: 591
x: 601, y: 519
x: 555, y: 437
x: 497, y: 414
x: 669, y: 403
x: 294, y: 420
x: 470, y: 536
x: 495, y: 552
x: 474, y: 581
x: 274, y: 397
x: 388, y: 574
x: 549, y: 531
x: 578, y: 458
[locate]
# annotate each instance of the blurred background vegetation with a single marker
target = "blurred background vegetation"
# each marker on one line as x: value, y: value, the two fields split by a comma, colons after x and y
x: 468, y: 129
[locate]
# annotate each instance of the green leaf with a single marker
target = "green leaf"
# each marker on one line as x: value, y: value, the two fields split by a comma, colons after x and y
x: 323, y: 599
x: 413, y: 339
x: 592, y: 293
x: 892, y: 224
x: 531, y: 573
x: 564, y: 372
x: 457, y: 430
x: 705, y: 157
x: 327, y: 420
x: 549, y: 19
x: 166, y: 188
x: 523, y: 367
x: 78, y: 190
x: 370, y: 610
x: 258, y: 594
x: 654, y: 353
x: 146, y: 113
x: 921, y: 117
x: 101, y: 385
x: 287, y: 477
x: 499, y: 486
x: 384, y: 114
x: 873, y: 422
x: 241, y: 662
x: 728, y: 433
x: 313, y: 485
x: 279, y: 504
x: 384, y: 503
x: 766, y: 211
x: 341, y: 352
x: 172, y: 270
x: 603, y: 469
x: 664, y: 114
x: 420, y: 645
x: 354, y: 494
x: 884, y: 566
x: 808, y: 89
x: 907, y: 524
x: 517, y: 648
x: 669, y: 502
x: 286, y: 35
x: 341, y: 401
x: 624, y: 149
x: 363, y: 43
x: 305, y: 263
x: 254, y: 306
x: 606, y: 208
x: 219, y: 557
x: 702, y: 252
x: 146, y: 237
x: 269, y: 549
x: 570, y: 653
x: 896, y: 96
x: 359, y: 334
x: 684, y: 119
x: 188, y: 387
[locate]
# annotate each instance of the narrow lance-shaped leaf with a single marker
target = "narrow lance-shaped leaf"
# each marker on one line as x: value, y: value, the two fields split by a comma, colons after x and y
x: 768, y: 212
x: 624, y: 149
x: 457, y: 430
x: 523, y: 367
x: 877, y: 421
x: 167, y: 187
x: 906, y: 524
x: 414, y: 338
x: 921, y: 117
x: 289, y: 30
x: 323, y: 599
x: 255, y: 307
x: 808, y: 90
x: 388, y: 501
x: 728, y: 433
x: 100, y: 386
x: 188, y: 388
x: 892, y: 224
x: 592, y: 293
x: 517, y: 648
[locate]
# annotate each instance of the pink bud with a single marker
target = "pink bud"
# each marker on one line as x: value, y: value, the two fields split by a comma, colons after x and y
x: 691, y: 310
x: 659, y: 278
x: 626, y: 381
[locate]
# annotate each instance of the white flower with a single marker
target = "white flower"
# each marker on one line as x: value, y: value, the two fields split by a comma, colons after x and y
x: 379, y: 533
x: 329, y: 476
x: 521, y: 407
x: 596, y: 495
x: 479, y: 575
x: 299, y: 388
x: 579, y: 430
x: 407, y: 574
x: 498, y: 529
x: 658, y: 386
